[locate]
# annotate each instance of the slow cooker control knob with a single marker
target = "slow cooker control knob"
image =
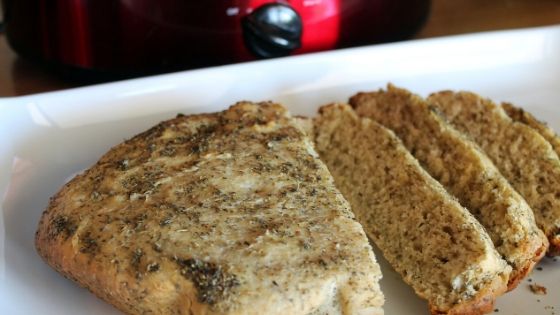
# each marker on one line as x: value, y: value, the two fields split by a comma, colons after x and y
x: 272, y: 30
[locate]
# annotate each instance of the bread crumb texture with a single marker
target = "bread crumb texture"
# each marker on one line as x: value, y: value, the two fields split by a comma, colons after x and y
x: 464, y: 170
x: 521, y: 154
x: 437, y: 246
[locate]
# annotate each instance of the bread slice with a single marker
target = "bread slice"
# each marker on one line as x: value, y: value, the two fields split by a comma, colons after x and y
x: 519, y: 115
x: 437, y: 246
x: 226, y: 213
x: 521, y: 154
x: 464, y: 171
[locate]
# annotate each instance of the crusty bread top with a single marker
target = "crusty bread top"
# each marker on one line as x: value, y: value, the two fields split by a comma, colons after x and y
x: 464, y: 170
x: 438, y: 247
x: 228, y: 213
x: 521, y: 154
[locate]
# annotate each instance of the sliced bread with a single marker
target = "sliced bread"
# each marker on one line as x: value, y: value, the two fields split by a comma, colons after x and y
x: 225, y: 213
x: 464, y: 170
x: 519, y: 115
x: 437, y: 246
x: 521, y: 154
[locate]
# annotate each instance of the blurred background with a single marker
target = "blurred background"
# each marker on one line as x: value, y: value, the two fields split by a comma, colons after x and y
x: 70, y: 43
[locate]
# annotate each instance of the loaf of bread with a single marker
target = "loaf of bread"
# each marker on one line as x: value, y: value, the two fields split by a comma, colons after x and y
x: 521, y: 154
x: 437, y: 246
x: 226, y: 213
x: 464, y: 171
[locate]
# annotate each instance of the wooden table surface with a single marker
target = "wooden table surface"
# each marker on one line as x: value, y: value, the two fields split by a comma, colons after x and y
x: 448, y: 17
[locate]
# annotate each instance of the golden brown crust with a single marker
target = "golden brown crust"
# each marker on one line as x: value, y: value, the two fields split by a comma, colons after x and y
x: 523, y: 271
x: 554, y: 249
x: 57, y: 239
x: 482, y: 303
x: 213, y: 214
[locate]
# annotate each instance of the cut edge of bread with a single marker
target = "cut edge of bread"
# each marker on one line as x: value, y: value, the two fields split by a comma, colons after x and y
x: 432, y: 125
x: 520, y: 115
x: 483, y: 300
x: 443, y: 101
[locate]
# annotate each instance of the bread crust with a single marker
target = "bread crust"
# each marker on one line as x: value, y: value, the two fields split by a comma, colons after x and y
x: 228, y: 213
x: 554, y: 249
x: 525, y: 270
x: 482, y: 303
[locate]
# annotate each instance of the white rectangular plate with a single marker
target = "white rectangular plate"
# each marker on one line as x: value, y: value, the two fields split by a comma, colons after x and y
x: 46, y: 138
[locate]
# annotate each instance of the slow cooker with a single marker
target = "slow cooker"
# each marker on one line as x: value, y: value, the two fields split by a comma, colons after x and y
x: 136, y: 37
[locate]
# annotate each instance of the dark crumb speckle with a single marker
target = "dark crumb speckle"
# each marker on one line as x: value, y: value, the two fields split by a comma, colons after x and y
x: 537, y: 289
x: 211, y: 282
x: 530, y: 280
x: 496, y: 310
x: 153, y: 267
x: 166, y: 221
x: 157, y: 247
x: 95, y: 196
x: 168, y: 151
x: 195, y: 149
x: 305, y: 244
x: 539, y: 268
x: 122, y: 165
x: 61, y: 224
x: 136, y: 256
x: 88, y: 243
